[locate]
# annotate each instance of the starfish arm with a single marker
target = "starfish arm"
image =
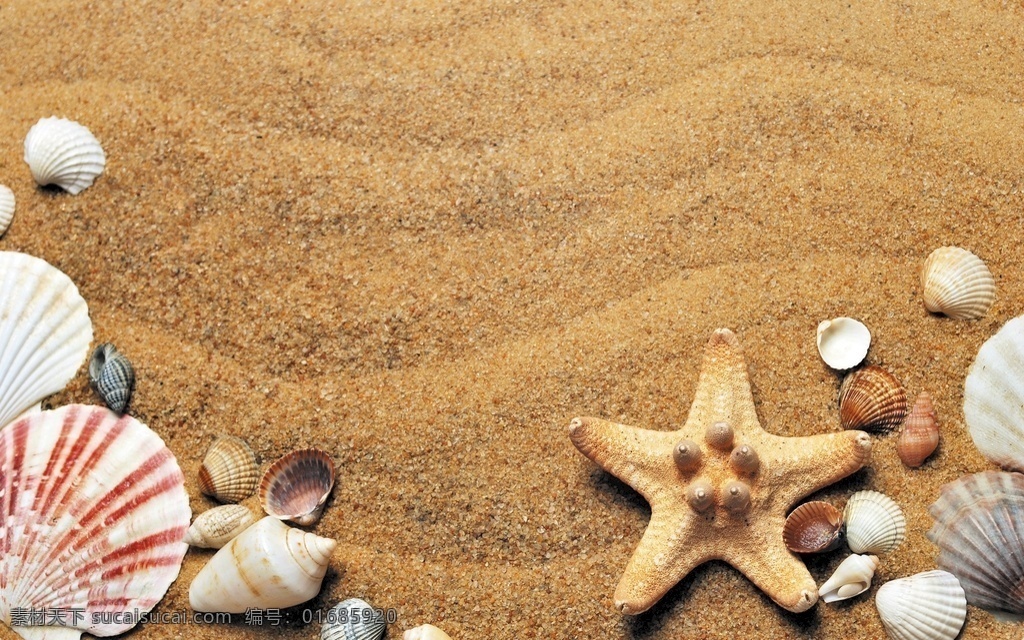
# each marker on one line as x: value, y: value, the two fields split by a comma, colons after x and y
x: 778, y: 573
x: 635, y: 456
x: 797, y: 467
x: 723, y: 390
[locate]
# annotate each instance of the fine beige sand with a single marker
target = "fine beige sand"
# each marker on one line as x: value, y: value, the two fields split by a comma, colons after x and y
x: 425, y: 235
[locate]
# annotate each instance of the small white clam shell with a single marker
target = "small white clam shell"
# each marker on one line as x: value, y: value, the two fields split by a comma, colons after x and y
x: 215, y: 527
x: 64, y: 153
x: 851, y: 578
x: 957, y: 283
x: 994, y: 397
x: 6, y: 208
x: 925, y: 606
x: 843, y: 342
x: 425, y: 632
x: 874, y: 523
x: 353, y: 619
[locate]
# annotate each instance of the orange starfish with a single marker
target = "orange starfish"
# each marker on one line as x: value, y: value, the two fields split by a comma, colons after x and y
x: 720, y: 487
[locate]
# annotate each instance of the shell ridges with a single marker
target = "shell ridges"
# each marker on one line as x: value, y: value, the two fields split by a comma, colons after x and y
x: 994, y: 397
x: 957, y: 283
x: 353, y: 619
x: 924, y: 606
x: 113, y: 376
x: 65, y: 153
x: 297, y: 485
x: 872, y: 399
x: 229, y: 471
x: 6, y: 208
x: 813, y: 527
x: 874, y: 523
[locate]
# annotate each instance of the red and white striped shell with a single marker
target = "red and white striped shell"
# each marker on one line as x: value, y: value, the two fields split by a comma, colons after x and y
x: 93, y: 511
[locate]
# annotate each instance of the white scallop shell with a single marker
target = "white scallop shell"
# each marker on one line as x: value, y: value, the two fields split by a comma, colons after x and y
x: 957, y: 283
x: 425, y: 632
x: 269, y: 566
x: 95, y: 510
x: 874, y: 523
x: 6, y: 208
x: 44, y: 332
x: 353, y: 619
x: 851, y: 578
x: 994, y: 397
x: 64, y: 153
x: 214, y: 528
x: 843, y: 342
x: 925, y: 606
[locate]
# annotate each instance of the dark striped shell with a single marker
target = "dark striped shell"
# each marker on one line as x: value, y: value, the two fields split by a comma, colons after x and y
x: 353, y: 619
x: 872, y: 399
x: 112, y: 376
x: 296, y: 486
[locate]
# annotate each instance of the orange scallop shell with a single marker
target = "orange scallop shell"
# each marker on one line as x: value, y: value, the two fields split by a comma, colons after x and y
x: 813, y: 527
x: 872, y: 399
x: 920, y: 434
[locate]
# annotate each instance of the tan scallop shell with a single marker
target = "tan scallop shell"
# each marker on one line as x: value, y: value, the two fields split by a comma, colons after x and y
x: 813, y: 527
x: 215, y: 527
x: 230, y: 470
x: 920, y: 434
x: 874, y: 523
x: 957, y: 283
x: 297, y: 485
x: 872, y: 399
x: 425, y: 632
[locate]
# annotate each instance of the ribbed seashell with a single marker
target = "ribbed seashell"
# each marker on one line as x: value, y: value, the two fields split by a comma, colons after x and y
x: 94, y: 511
x: 813, y: 527
x: 353, y: 619
x: 230, y: 470
x: 851, y: 578
x: 113, y: 377
x: 6, y: 208
x: 214, y: 528
x: 920, y: 434
x: 843, y: 342
x: 924, y: 606
x: 979, y: 522
x: 957, y: 283
x: 297, y: 485
x: 994, y: 397
x: 425, y: 632
x: 269, y: 566
x: 872, y: 399
x: 64, y: 153
x: 874, y: 523
x: 45, y: 332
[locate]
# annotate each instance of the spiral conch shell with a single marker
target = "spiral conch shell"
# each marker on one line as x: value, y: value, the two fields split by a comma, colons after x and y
x: 957, y: 283
x: 64, y: 153
x: 269, y: 566
x: 425, y: 632
x: 920, y: 434
x: 851, y: 578
x: 113, y: 377
x: 216, y: 527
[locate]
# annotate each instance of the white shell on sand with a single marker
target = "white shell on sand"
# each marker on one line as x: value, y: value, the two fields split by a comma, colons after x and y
x: 95, y: 510
x: 925, y: 606
x: 64, y: 153
x: 269, y: 566
x: 353, y: 619
x: 994, y: 397
x: 957, y: 283
x: 843, y: 342
x: 851, y: 578
x: 874, y: 523
x: 214, y: 528
x: 45, y: 332
x: 6, y: 208
x: 425, y: 632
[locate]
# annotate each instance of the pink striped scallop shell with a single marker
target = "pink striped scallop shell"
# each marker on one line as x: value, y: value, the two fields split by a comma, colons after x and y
x: 93, y: 512
x: 297, y: 486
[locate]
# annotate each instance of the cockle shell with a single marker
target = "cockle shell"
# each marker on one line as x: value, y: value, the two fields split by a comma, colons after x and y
x: 843, y: 342
x: 353, y: 619
x: 851, y: 578
x: 994, y: 397
x: 979, y: 523
x: 957, y: 283
x: 872, y: 399
x: 95, y: 510
x: 925, y: 606
x: 269, y: 566
x: 813, y: 527
x: 113, y: 376
x: 874, y: 523
x: 230, y: 470
x: 45, y: 332
x: 920, y: 434
x: 425, y: 632
x: 297, y: 485
x: 215, y: 527
x: 64, y: 153
x: 6, y: 208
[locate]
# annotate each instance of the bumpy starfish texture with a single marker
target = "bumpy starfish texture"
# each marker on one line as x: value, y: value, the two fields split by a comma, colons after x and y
x: 720, y: 487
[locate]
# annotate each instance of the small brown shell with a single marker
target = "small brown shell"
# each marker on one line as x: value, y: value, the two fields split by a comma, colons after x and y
x: 920, y: 434
x: 813, y: 527
x: 230, y: 470
x: 296, y: 486
x: 872, y: 399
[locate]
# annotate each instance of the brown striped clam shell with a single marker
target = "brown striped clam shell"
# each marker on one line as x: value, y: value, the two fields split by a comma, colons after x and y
x: 297, y: 485
x: 920, y: 434
x: 813, y: 527
x: 872, y: 399
x: 230, y: 470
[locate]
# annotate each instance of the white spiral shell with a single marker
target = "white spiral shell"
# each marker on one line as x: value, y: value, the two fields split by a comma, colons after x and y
x: 64, y: 153
x: 6, y: 208
x: 851, y: 578
x: 925, y: 606
x: 994, y: 397
x: 957, y: 283
x: 874, y: 523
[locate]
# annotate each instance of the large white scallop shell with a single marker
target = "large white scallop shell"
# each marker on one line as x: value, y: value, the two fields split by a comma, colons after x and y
x: 957, y: 283
x: 95, y: 510
x: 851, y: 578
x: 64, y: 153
x: 874, y: 523
x: 925, y: 606
x: 45, y: 332
x: 994, y: 397
x: 6, y: 208
x: 843, y: 342
x: 269, y: 566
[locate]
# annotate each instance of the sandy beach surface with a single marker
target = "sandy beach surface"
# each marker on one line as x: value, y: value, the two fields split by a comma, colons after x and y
x: 425, y: 235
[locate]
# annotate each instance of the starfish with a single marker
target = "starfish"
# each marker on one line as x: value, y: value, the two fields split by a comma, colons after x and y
x: 720, y: 487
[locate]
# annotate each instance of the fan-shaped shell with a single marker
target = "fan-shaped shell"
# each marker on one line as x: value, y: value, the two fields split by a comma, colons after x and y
x: 872, y: 399
x: 813, y: 527
x: 957, y: 283
x: 843, y: 342
x: 425, y: 632
x: 45, y: 332
x: 95, y: 510
x: 874, y: 523
x: 6, y: 208
x: 269, y: 566
x: 353, y: 619
x: 215, y: 527
x: 297, y: 485
x: 851, y: 578
x: 920, y: 434
x: 925, y: 606
x: 230, y: 470
x: 113, y: 376
x: 978, y: 524
x: 64, y: 153
x: 994, y: 397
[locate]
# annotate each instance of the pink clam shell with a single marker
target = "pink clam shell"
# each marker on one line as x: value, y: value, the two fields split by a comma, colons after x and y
x: 297, y: 485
